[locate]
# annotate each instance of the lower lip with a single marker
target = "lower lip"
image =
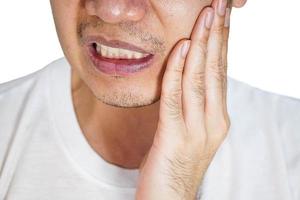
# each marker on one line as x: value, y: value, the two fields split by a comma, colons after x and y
x: 121, y: 67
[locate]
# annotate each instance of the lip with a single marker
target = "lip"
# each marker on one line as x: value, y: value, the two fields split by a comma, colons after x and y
x: 121, y: 67
x: 113, y: 43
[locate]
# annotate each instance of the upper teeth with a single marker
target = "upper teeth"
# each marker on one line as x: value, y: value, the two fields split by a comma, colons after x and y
x: 117, y: 53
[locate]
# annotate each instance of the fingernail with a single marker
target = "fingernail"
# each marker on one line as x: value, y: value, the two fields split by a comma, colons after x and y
x: 227, y: 17
x: 184, y: 48
x: 209, y: 19
x: 222, y: 7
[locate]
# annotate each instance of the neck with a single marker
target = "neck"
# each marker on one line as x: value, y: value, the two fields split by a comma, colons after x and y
x: 121, y: 136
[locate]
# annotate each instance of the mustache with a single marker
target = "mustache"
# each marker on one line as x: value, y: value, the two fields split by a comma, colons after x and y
x: 154, y: 43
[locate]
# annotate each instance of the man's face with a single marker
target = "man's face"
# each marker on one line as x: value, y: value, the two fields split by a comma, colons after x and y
x: 153, y: 25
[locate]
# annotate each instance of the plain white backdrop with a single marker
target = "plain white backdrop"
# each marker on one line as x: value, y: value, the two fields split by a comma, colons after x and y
x: 264, y: 47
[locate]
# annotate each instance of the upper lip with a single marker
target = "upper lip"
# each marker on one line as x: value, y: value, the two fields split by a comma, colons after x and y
x: 89, y: 40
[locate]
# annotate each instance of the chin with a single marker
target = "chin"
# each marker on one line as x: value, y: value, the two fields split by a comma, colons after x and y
x: 125, y: 98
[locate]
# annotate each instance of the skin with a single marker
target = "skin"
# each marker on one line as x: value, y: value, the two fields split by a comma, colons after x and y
x: 171, y: 113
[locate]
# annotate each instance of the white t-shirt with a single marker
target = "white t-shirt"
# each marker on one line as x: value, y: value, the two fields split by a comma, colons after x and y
x: 45, y: 156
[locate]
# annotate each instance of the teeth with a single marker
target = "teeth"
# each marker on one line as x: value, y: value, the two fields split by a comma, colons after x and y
x: 137, y: 55
x: 117, y: 53
x: 103, y: 50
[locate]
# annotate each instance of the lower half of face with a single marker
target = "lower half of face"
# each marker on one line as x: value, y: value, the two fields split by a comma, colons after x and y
x: 122, y: 57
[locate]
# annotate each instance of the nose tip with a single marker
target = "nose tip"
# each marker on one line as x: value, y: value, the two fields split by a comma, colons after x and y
x: 115, y: 11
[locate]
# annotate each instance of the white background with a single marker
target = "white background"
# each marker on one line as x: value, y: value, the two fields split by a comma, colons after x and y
x: 264, y: 46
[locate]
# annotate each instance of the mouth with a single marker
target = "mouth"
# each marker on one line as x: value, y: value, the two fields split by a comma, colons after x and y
x: 116, y: 57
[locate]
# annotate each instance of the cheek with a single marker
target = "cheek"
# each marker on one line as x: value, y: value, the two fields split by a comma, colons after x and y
x: 66, y: 17
x: 66, y: 13
x: 179, y: 16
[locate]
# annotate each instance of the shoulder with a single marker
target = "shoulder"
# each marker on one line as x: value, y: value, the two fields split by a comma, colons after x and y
x: 261, y: 152
x: 22, y: 102
x: 254, y: 110
x: 22, y: 83
x: 17, y: 94
x: 266, y: 129
x: 17, y: 90
x: 263, y: 107
x: 257, y: 113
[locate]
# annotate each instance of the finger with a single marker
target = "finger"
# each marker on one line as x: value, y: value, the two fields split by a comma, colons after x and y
x: 224, y: 56
x: 215, y: 70
x: 171, y: 102
x: 226, y: 36
x: 194, y: 72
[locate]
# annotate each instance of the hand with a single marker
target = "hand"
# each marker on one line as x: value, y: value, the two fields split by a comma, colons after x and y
x: 193, y: 118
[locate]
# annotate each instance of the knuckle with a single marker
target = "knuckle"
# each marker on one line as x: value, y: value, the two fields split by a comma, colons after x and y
x: 197, y: 83
x: 174, y: 82
x: 202, y: 47
x: 220, y: 76
x: 171, y: 86
x: 176, y: 68
x: 219, y: 132
x: 223, y: 128
x: 172, y: 103
x: 218, y: 29
x: 215, y: 63
x: 218, y: 70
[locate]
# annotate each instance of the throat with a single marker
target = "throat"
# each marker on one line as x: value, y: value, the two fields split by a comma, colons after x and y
x: 120, y: 147
x: 120, y: 136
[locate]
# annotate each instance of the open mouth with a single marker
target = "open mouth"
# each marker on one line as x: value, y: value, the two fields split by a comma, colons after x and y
x: 117, y: 53
x: 114, y: 60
